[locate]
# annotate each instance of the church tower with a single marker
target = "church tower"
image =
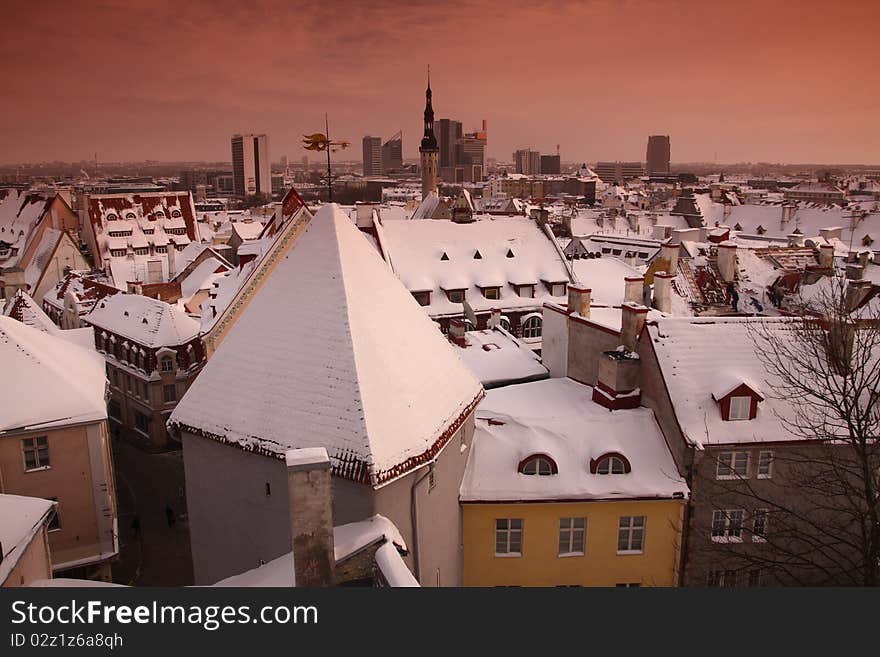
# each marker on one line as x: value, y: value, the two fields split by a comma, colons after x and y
x: 428, y: 149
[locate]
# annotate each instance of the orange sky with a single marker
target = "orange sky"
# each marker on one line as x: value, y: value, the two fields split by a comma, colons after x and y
x: 780, y: 80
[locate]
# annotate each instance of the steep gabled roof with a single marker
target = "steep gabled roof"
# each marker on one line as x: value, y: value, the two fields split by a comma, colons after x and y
x: 149, y: 322
x: 332, y: 351
x: 55, y: 382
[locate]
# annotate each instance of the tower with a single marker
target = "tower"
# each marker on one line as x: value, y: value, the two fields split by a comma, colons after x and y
x: 428, y: 149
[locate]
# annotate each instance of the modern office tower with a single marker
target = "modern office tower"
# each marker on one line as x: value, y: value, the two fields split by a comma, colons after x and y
x: 372, y: 156
x: 392, y: 154
x: 251, y: 171
x: 551, y: 164
x: 611, y: 172
x: 527, y: 161
x: 448, y: 133
x: 657, y: 157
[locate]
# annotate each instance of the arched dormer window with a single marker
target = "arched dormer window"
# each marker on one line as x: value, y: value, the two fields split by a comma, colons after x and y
x: 611, y: 463
x: 111, y: 216
x: 131, y: 216
x: 531, y: 328
x: 538, y: 464
x: 175, y: 214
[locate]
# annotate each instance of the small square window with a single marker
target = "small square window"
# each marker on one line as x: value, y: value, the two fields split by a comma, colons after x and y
x: 740, y: 408
x: 36, y: 452
x: 732, y: 465
x: 456, y: 296
x: 167, y: 364
x: 423, y: 298
x: 492, y: 293
x: 508, y: 537
x: 631, y: 534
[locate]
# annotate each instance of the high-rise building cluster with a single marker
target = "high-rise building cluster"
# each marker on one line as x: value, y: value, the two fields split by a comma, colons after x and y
x: 529, y: 162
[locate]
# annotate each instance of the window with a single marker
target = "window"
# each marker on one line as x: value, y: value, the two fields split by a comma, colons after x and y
x: 36, y: 452
x: 268, y: 489
x: 167, y: 364
x: 755, y: 577
x: 169, y: 393
x: 538, y: 465
x: 114, y: 410
x: 759, y: 526
x: 765, y: 464
x: 504, y: 323
x: 740, y: 408
x: 508, y: 537
x: 721, y: 578
x: 55, y: 522
x: 611, y: 465
x: 557, y: 289
x: 571, y: 536
x: 727, y: 525
x: 423, y: 298
x: 526, y: 291
x: 532, y: 327
x: 492, y: 293
x: 455, y: 296
x: 141, y: 422
x: 631, y: 535
x: 732, y: 465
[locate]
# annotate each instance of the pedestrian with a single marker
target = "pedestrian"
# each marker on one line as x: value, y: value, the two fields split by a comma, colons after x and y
x: 169, y: 515
x: 136, y: 526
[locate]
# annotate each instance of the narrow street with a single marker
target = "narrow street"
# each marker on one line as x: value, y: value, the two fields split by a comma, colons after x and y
x: 157, y: 552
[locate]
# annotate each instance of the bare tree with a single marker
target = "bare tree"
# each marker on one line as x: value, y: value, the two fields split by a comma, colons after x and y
x: 816, y: 521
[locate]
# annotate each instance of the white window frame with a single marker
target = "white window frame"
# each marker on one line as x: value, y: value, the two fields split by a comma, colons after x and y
x: 569, y: 533
x: 741, y: 409
x: 631, y: 529
x: 456, y: 292
x: 610, y: 461
x: 507, y: 532
x: 765, y: 458
x: 492, y: 293
x: 723, y: 525
x: 527, y: 331
x: 731, y: 466
x: 163, y: 361
x: 538, y: 461
x: 31, y: 445
x: 760, y: 536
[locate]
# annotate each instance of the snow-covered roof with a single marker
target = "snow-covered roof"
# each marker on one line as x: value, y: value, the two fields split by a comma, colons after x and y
x: 557, y: 418
x: 247, y: 230
x: 498, y: 358
x: 427, y: 207
x: 347, y: 540
x: 699, y: 357
x: 55, y: 382
x: 331, y: 351
x: 20, y: 520
x: 149, y: 322
x: 512, y: 250
x: 604, y: 277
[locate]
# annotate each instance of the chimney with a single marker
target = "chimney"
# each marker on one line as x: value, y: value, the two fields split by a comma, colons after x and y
x: 633, y: 316
x: 856, y: 291
x: 310, y: 497
x: 578, y: 300
x: 727, y: 261
x: 171, y: 253
x: 566, y: 225
x: 456, y: 332
x: 795, y: 239
x: 787, y: 213
x: 135, y: 287
x: 669, y: 252
x: 831, y: 233
x: 855, y: 272
x: 863, y: 258
x: 826, y: 256
x: 494, y: 318
x: 633, y: 289
x: 663, y: 291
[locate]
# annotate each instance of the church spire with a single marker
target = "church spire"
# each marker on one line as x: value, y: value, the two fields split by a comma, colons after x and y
x: 429, y: 140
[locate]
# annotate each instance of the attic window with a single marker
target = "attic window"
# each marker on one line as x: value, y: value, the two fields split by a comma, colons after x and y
x: 738, y: 227
x: 130, y: 215
x: 761, y: 230
x: 493, y: 293
x: 112, y: 217
x: 613, y: 463
x: 538, y: 464
x: 444, y: 256
x: 510, y: 253
x: 478, y: 255
x: 175, y: 214
x: 455, y: 296
x: 424, y: 298
x: 740, y: 408
x: 867, y: 241
x: 160, y: 214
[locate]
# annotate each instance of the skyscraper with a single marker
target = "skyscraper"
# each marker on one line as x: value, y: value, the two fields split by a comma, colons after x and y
x: 551, y: 164
x: 251, y: 170
x: 428, y: 150
x: 372, y: 156
x: 657, y: 158
x: 527, y: 161
x: 448, y: 133
x: 392, y: 154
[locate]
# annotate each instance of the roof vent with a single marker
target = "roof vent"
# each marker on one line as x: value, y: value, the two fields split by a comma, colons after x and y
x: 478, y: 255
x: 125, y: 313
x: 144, y: 320
x: 444, y: 256
x: 510, y: 253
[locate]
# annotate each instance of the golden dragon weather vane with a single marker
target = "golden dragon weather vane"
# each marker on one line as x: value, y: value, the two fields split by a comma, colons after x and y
x: 319, y: 141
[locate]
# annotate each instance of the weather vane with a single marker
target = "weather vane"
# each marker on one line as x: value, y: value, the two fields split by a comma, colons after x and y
x: 322, y: 142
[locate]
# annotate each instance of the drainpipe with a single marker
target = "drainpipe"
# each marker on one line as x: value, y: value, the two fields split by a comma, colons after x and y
x: 687, y: 517
x: 414, y: 515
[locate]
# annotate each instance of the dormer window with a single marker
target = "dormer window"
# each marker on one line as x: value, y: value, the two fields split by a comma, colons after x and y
x: 166, y: 364
x: 159, y: 214
x: 525, y: 291
x: 493, y: 293
x: 478, y: 255
x: 509, y: 253
x: 737, y: 398
x: 175, y: 214
x: 455, y: 296
x: 424, y: 298
x: 130, y: 216
x: 538, y: 464
x: 444, y: 256
x: 112, y: 216
x: 610, y: 464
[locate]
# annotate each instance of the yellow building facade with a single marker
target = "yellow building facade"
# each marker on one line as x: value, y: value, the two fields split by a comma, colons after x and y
x: 546, y: 528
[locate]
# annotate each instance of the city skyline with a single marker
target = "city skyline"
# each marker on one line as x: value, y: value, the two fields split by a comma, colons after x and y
x: 724, y: 86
